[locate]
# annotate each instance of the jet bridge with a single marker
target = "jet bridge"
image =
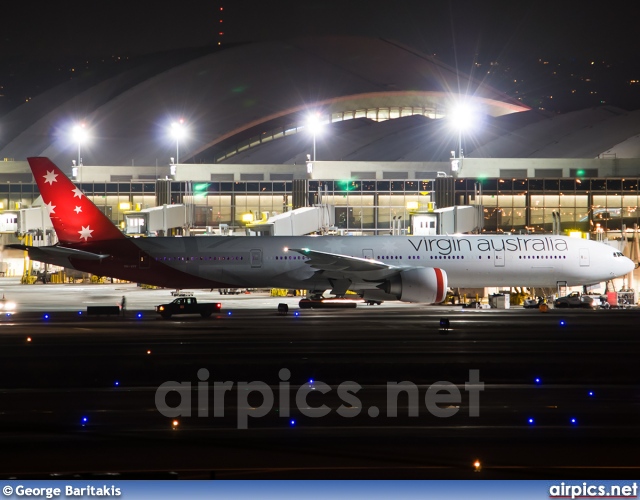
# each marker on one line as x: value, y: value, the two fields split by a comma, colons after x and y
x: 450, y: 220
x: 155, y: 221
x: 298, y: 222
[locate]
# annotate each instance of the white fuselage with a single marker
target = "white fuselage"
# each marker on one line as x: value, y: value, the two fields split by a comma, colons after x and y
x: 468, y: 260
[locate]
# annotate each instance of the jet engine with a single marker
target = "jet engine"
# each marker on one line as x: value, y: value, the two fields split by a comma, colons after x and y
x: 422, y: 284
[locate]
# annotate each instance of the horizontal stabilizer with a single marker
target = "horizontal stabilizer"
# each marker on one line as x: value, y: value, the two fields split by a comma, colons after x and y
x: 53, y: 254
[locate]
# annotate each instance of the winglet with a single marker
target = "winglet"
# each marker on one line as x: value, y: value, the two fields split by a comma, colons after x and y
x: 76, y: 220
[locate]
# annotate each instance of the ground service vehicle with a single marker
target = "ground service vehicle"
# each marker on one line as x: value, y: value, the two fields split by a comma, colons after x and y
x: 575, y: 299
x: 188, y: 305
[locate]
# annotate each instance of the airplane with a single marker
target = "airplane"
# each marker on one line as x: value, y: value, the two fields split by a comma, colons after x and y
x: 406, y: 268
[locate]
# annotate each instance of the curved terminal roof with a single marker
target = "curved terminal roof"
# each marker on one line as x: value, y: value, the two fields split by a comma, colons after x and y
x: 381, y: 101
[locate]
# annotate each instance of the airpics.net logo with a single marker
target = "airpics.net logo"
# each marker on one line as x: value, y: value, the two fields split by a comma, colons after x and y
x: 441, y: 399
x: 586, y: 490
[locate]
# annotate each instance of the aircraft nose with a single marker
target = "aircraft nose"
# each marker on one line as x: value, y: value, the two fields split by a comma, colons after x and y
x: 629, y: 265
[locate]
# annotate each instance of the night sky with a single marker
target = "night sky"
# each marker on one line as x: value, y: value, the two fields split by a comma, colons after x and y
x: 557, y: 55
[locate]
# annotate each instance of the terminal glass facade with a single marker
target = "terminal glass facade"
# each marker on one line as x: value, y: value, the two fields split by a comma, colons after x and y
x: 519, y: 205
x: 376, y: 206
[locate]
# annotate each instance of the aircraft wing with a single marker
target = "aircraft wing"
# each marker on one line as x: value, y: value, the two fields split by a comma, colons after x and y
x: 344, y: 264
x: 56, y: 255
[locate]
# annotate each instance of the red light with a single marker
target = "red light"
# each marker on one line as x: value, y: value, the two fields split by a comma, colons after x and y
x: 221, y: 33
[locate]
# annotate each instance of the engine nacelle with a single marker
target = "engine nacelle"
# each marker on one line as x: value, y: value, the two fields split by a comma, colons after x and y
x: 422, y: 284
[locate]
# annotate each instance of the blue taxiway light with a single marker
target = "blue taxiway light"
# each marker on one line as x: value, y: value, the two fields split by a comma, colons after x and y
x: 531, y: 421
x: 591, y: 393
x: 296, y: 313
x: 116, y: 383
x: 573, y: 421
x: 139, y: 315
x: 563, y: 322
x: 311, y: 381
x: 537, y: 380
x: 292, y: 423
x: 229, y: 313
x: 46, y: 316
x: 79, y: 313
x: 84, y: 421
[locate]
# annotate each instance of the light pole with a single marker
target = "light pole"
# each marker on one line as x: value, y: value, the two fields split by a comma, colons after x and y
x: 79, y: 135
x: 313, y: 122
x: 461, y: 118
x: 178, y: 131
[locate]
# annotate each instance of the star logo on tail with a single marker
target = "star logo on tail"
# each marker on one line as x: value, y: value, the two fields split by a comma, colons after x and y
x: 77, y: 210
x: 85, y: 233
x: 51, y: 208
x: 50, y: 177
x: 77, y: 192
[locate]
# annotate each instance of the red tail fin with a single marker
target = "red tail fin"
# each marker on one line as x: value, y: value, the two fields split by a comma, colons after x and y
x: 76, y: 220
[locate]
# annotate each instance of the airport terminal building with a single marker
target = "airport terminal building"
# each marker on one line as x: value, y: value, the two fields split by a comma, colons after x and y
x: 366, y: 196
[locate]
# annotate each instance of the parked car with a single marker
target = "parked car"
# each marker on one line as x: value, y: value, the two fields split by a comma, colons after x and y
x: 533, y: 303
x: 576, y: 299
